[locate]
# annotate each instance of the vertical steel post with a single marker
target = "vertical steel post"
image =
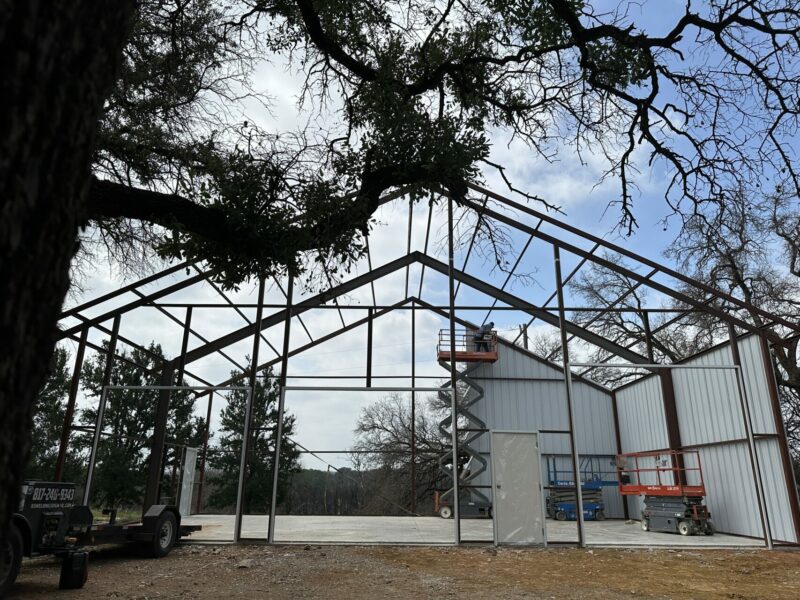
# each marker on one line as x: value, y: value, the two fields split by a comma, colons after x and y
x: 618, y: 446
x: 152, y: 492
x: 751, y: 444
x: 453, y: 372
x: 568, y: 385
x: 276, y: 461
x: 248, y: 414
x: 648, y: 337
x: 413, y: 407
x: 70, y: 411
x: 199, y: 504
x: 101, y: 407
x: 525, y: 336
x: 187, y: 328
x: 369, y: 347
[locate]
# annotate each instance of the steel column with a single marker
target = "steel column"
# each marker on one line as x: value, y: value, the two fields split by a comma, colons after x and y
x: 101, y: 407
x: 281, y: 403
x: 248, y: 415
x: 199, y: 504
x: 413, y: 409
x: 70, y: 411
x: 153, y: 487
x: 187, y: 327
x: 453, y: 373
x: 568, y: 387
x: 618, y: 442
x: 369, y: 346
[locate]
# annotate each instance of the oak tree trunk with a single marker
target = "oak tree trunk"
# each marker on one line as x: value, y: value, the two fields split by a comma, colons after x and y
x: 59, y: 60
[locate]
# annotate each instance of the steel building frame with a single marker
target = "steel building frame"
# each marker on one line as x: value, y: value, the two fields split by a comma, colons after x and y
x: 174, y: 371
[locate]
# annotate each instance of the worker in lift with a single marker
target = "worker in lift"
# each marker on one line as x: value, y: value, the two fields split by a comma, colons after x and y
x: 481, y: 337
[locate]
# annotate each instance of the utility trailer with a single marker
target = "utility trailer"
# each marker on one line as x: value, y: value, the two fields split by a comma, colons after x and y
x: 48, y: 522
x: 673, y: 489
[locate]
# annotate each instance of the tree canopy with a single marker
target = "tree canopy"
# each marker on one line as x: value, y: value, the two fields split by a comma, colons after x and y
x: 414, y: 95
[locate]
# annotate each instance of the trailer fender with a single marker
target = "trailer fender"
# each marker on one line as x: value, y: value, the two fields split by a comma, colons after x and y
x: 154, y: 512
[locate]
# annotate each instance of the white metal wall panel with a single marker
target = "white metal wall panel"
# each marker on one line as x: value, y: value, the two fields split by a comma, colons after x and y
x: 640, y: 409
x: 755, y: 380
x: 780, y: 517
x: 707, y: 401
x: 731, y: 495
x: 514, y: 404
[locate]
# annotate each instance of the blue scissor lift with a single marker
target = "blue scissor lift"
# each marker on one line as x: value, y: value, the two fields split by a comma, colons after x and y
x: 596, y: 472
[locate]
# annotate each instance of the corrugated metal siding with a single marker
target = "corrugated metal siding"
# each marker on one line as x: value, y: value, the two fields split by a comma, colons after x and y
x: 780, y: 518
x: 707, y: 400
x: 709, y: 411
x: 640, y: 408
x: 755, y: 381
x: 731, y: 493
x: 518, y: 405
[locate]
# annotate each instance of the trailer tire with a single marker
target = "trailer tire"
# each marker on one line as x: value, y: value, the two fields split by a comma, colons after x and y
x: 74, y: 571
x: 709, y: 528
x: 165, y: 534
x: 599, y: 515
x: 685, y: 528
x: 10, y: 559
x: 561, y: 515
x: 445, y: 512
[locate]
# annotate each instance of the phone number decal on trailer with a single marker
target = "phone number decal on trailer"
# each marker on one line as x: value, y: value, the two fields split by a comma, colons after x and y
x: 49, y: 496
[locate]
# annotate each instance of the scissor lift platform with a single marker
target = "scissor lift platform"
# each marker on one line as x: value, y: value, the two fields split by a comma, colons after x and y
x: 466, y: 350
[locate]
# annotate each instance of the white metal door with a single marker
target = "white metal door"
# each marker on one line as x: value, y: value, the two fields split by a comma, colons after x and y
x: 187, y: 481
x: 518, y: 504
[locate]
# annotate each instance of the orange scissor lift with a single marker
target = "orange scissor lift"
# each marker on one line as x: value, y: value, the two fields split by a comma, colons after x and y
x: 671, y: 482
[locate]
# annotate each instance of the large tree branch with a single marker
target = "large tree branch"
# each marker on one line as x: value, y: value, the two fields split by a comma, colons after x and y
x: 110, y: 200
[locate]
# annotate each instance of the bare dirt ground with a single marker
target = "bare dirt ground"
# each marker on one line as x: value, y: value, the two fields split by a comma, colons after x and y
x: 229, y: 572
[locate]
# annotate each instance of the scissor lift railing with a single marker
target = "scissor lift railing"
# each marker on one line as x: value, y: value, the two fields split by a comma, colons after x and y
x: 661, y: 473
x: 468, y: 347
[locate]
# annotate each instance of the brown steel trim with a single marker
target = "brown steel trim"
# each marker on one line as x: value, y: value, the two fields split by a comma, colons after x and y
x: 783, y: 443
x: 618, y: 440
x: 671, y: 420
x: 128, y: 288
x: 533, y: 310
x: 633, y: 255
x: 131, y: 305
x: 132, y: 344
x: 665, y: 289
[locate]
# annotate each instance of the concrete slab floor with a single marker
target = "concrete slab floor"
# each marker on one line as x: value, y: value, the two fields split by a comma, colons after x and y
x: 434, y: 530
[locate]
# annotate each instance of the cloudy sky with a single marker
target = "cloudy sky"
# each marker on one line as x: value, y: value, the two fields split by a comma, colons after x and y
x: 325, y: 419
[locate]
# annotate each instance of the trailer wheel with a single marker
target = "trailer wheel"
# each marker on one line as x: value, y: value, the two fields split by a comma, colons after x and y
x: 165, y: 534
x: 10, y: 559
x: 445, y: 512
x: 645, y: 524
x: 685, y: 528
x: 74, y: 571
x: 599, y: 515
x: 561, y: 515
x: 709, y: 528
